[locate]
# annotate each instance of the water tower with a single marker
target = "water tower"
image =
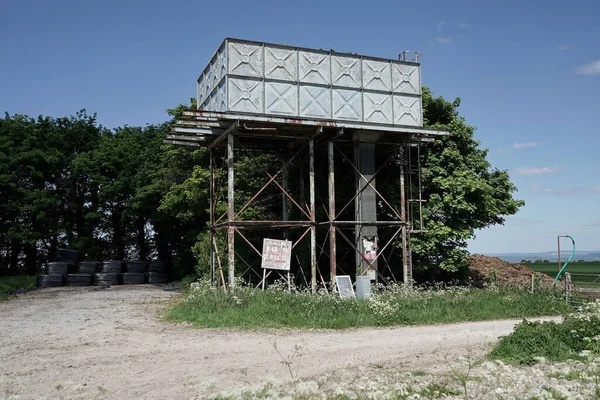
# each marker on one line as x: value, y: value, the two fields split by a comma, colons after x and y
x: 332, y: 124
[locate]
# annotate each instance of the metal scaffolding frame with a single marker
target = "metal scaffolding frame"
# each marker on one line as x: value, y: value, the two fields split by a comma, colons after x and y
x: 294, y: 143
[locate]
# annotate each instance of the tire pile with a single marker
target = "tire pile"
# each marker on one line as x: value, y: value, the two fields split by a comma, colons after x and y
x: 70, y: 270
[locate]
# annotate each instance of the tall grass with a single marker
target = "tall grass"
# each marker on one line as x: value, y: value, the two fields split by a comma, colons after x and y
x: 9, y: 284
x: 577, y: 337
x: 206, y: 306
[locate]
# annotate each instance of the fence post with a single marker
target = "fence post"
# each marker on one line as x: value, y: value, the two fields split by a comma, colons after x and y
x: 532, y: 281
x: 567, y: 286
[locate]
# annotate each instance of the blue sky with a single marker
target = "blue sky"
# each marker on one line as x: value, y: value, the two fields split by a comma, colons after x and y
x: 528, y: 74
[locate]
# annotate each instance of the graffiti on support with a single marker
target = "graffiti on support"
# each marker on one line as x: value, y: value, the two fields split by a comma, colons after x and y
x: 276, y: 254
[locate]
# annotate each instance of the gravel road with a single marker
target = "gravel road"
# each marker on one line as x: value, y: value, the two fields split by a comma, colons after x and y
x: 111, y: 343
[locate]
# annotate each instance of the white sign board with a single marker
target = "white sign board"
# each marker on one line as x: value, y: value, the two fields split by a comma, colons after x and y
x: 276, y: 254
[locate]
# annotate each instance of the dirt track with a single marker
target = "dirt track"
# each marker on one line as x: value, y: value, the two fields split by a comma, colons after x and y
x: 83, y: 343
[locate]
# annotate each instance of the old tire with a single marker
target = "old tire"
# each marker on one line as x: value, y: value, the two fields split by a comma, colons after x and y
x: 57, y: 268
x: 136, y: 267
x: 106, y: 279
x: 157, y: 277
x: 111, y: 267
x: 79, y: 280
x: 132, y: 278
x: 88, y: 267
x: 157, y: 266
x: 68, y: 255
x: 44, y: 281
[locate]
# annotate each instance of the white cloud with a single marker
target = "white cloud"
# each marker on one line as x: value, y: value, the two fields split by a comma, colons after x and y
x: 536, y: 171
x: 442, y: 40
x: 441, y: 24
x: 524, y: 145
x: 589, y: 69
x: 563, y: 47
x: 464, y: 26
x: 571, y: 190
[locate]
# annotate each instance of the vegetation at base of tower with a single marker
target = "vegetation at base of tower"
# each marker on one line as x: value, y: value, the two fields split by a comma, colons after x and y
x: 123, y: 194
x: 205, y: 305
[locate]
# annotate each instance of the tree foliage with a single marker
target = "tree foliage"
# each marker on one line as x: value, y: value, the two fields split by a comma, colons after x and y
x: 463, y: 191
x: 123, y: 193
x: 69, y: 182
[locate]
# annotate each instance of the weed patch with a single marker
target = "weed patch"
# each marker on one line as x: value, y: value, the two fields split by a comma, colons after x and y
x: 575, y: 338
x: 207, y: 306
x: 10, y: 284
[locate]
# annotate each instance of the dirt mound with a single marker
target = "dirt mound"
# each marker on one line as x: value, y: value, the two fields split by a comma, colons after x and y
x: 485, y: 269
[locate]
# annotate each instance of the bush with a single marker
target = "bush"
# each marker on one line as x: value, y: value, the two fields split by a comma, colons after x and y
x: 575, y: 338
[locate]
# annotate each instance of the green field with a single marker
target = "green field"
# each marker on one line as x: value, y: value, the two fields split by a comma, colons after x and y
x: 551, y: 269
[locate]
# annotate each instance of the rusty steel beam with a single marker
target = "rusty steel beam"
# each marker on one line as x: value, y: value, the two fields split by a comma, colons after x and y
x: 182, y: 143
x: 267, y: 184
x: 286, y: 194
x: 247, y: 241
x: 362, y: 256
x: 212, y: 214
x: 368, y: 182
x: 403, y: 212
x: 266, y: 222
x: 313, y: 123
x: 230, y: 212
x: 371, y: 186
x: 313, y: 228
x: 365, y: 223
x: 332, y: 237
x: 300, y: 238
x: 224, y: 135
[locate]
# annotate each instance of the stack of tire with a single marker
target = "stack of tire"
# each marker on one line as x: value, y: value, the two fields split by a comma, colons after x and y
x: 53, y: 275
x: 135, y: 273
x: 157, y: 272
x: 109, y: 273
x: 63, y: 271
x: 68, y: 269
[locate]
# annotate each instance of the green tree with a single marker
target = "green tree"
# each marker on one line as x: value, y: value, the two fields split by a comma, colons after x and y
x: 463, y: 191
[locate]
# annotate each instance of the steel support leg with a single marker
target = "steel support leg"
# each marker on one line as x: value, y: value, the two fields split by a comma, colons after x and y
x: 230, y: 213
x: 404, y: 219
x: 332, y: 234
x: 313, y: 228
x: 212, y: 216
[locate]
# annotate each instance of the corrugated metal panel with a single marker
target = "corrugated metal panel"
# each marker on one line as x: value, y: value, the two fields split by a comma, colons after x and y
x: 267, y: 79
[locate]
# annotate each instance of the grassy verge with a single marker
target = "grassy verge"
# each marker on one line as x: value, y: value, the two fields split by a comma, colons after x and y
x: 205, y: 306
x: 9, y: 284
x: 577, y: 337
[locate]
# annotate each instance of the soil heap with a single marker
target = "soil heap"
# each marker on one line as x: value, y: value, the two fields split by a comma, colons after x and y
x: 484, y: 269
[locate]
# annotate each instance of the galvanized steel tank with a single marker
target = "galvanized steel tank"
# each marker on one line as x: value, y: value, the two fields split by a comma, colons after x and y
x: 257, y: 78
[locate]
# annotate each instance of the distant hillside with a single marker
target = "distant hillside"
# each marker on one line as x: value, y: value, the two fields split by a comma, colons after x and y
x: 548, y: 255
